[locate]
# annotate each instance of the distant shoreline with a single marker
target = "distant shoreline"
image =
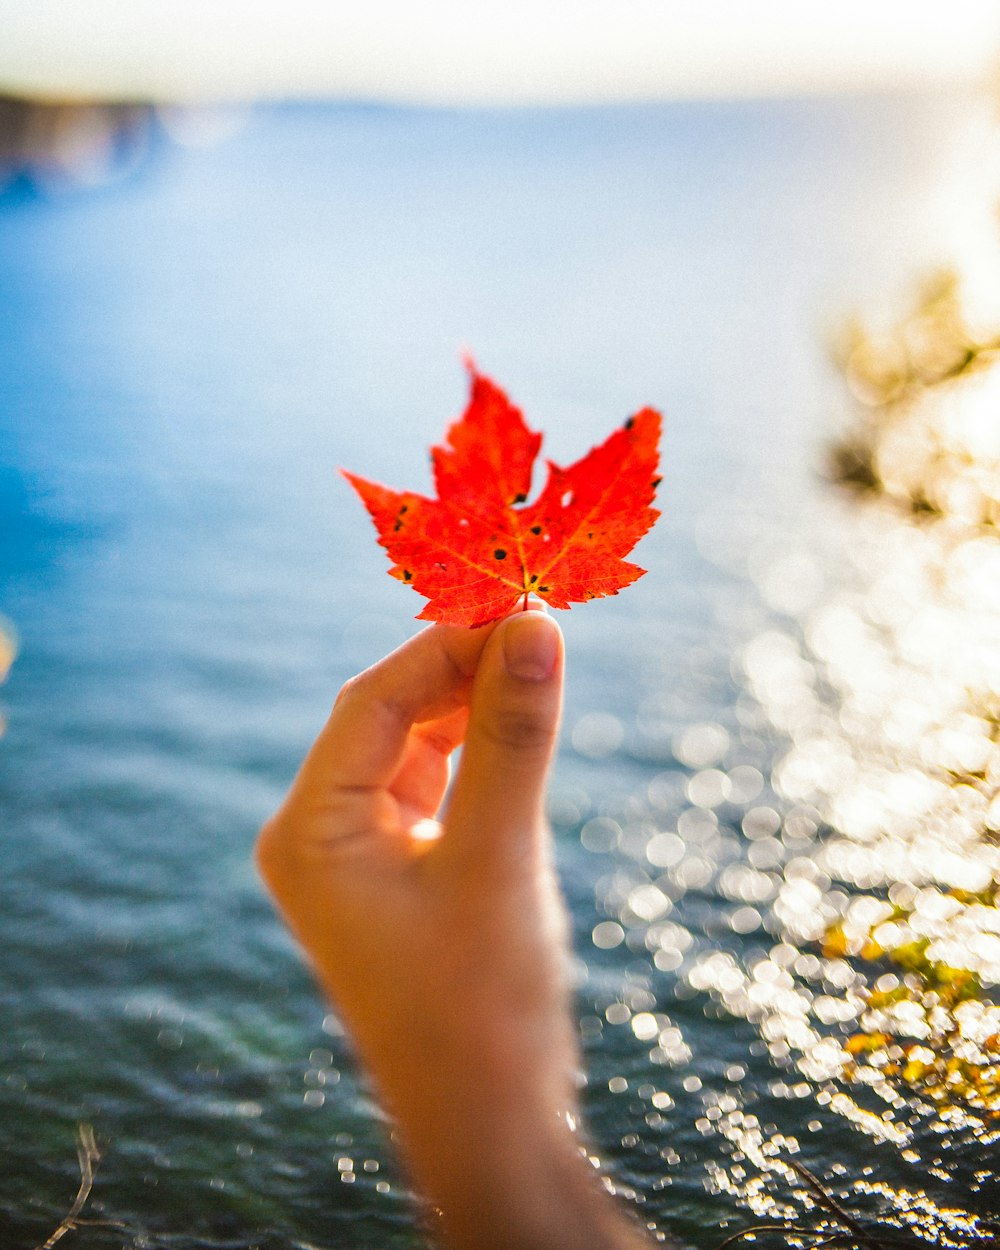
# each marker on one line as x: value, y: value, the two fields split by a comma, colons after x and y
x: 75, y: 141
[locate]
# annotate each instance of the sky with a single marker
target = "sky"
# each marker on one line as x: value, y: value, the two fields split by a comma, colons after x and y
x: 477, y: 52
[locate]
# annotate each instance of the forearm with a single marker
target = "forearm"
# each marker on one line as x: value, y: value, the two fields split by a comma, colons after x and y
x: 486, y: 1123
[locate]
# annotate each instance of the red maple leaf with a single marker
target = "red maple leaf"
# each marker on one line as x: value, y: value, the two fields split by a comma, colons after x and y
x: 480, y: 546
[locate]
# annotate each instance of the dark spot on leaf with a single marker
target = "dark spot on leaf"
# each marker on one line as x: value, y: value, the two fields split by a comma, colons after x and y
x: 656, y: 482
x: 397, y: 527
x: 405, y: 507
x: 520, y: 497
x: 629, y: 423
x: 500, y: 554
x: 543, y: 590
x: 590, y: 534
x: 407, y: 575
x: 536, y: 529
x: 533, y: 578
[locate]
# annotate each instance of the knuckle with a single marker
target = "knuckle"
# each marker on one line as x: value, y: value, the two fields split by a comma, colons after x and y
x: 516, y: 729
x: 350, y: 691
x: 365, y: 689
x: 270, y: 850
x: 305, y: 838
x: 288, y: 844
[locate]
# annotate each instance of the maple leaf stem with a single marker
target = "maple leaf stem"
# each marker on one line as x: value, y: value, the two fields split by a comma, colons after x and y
x: 525, y: 608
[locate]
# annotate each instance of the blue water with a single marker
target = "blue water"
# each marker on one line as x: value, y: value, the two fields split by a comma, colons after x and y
x: 186, y: 357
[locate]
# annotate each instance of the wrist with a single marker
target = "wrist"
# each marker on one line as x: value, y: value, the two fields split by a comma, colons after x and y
x: 509, y: 1171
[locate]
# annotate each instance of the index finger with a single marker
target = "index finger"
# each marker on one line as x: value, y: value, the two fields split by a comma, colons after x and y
x: 362, y: 744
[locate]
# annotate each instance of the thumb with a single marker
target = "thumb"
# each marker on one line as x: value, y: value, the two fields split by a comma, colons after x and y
x: 498, y: 799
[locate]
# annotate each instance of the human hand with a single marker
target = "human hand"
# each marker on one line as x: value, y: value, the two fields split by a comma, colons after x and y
x: 444, y: 945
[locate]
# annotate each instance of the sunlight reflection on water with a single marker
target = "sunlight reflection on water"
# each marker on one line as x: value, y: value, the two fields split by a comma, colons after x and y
x: 865, y: 838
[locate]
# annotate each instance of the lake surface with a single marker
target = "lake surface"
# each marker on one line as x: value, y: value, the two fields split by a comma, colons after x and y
x: 186, y: 357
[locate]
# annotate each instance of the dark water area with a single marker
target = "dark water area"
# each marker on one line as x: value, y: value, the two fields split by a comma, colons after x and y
x: 186, y: 357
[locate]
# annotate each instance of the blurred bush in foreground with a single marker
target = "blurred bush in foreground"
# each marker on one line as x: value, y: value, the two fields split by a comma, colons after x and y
x: 928, y: 431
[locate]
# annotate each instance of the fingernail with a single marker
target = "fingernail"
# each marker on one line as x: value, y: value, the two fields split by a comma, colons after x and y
x: 531, y: 646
